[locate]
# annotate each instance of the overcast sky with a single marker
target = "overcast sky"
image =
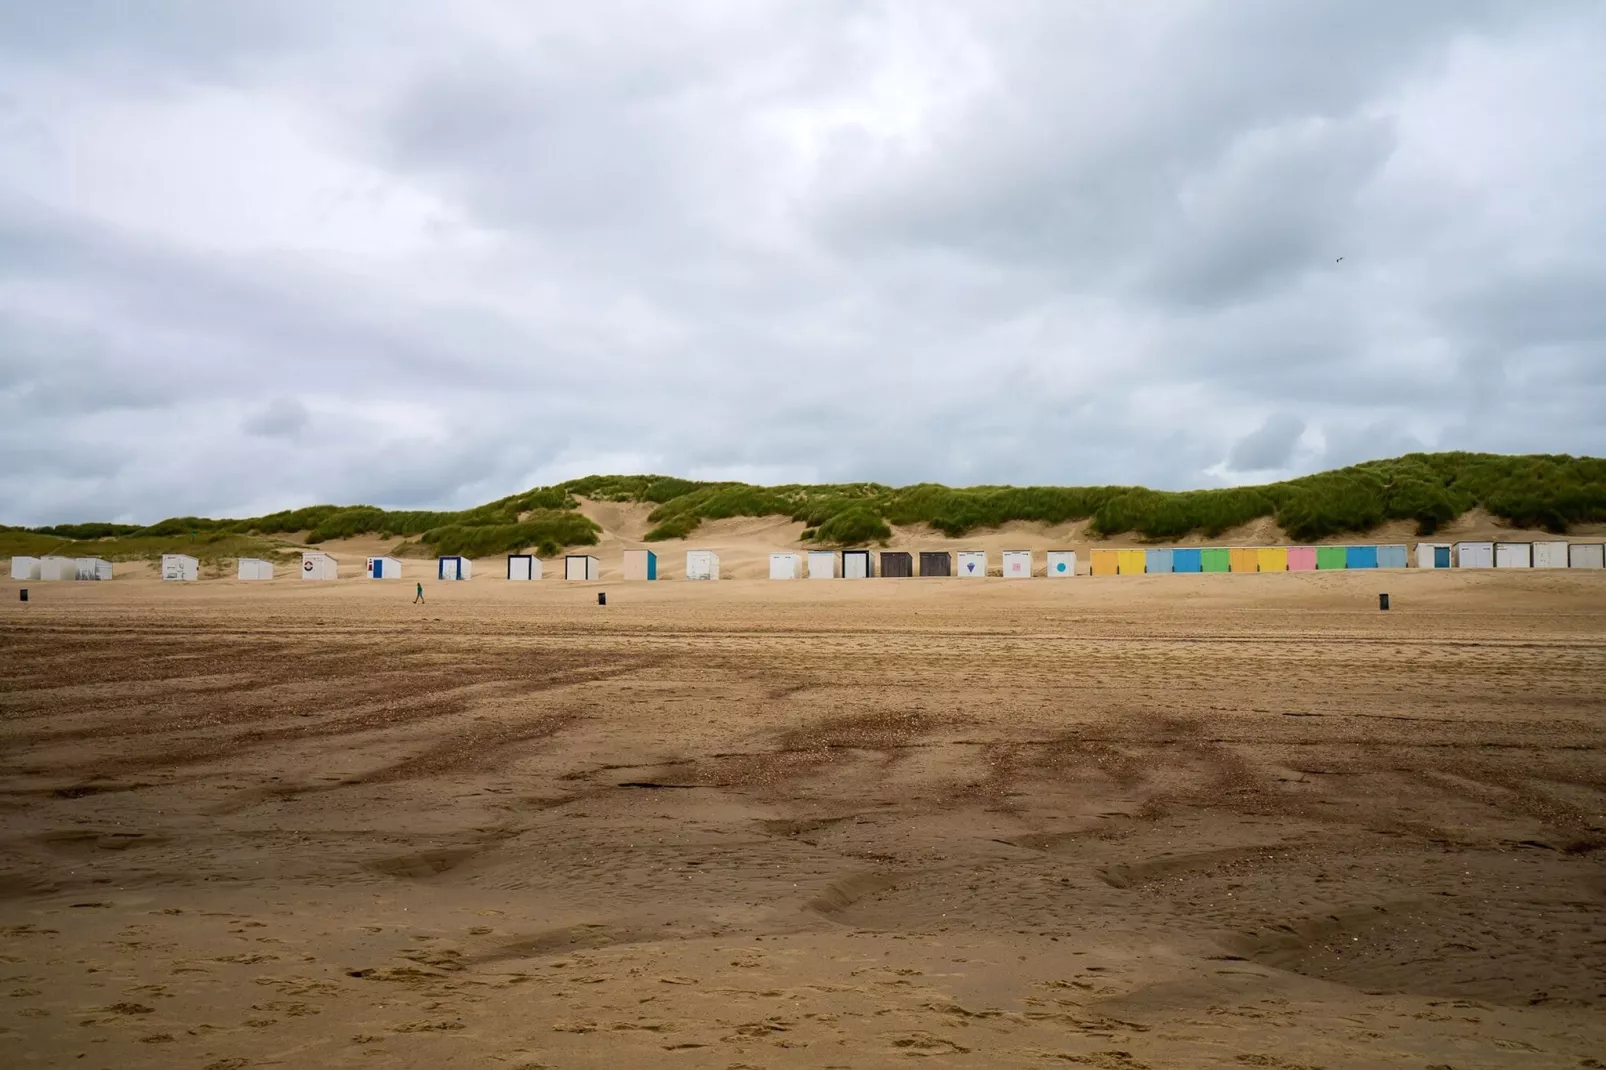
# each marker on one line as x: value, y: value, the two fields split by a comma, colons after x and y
x: 265, y: 253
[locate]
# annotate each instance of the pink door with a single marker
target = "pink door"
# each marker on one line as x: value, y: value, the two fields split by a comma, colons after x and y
x: 1301, y: 559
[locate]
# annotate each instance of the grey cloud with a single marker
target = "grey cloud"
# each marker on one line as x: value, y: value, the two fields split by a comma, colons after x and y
x: 1269, y: 447
x: 1019, y: 242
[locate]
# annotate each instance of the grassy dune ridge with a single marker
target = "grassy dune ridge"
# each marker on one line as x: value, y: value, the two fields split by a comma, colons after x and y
x: 1546, y: 492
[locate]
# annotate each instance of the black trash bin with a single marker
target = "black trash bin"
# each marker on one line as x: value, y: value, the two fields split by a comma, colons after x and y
x: 602, y: 598
x: 1383, y: 601
x: 25, y: 594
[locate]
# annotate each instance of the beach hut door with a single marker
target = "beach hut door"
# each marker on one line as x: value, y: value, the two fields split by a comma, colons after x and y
x: 1441, y: 557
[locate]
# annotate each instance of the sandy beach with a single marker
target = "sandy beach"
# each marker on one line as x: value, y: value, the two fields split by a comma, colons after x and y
x: 1130, y: 822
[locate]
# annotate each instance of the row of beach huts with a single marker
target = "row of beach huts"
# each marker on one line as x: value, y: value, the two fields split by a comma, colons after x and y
x: 865, y: 564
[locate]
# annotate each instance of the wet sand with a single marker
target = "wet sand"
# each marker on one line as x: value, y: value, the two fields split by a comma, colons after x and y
x: 1128, y: 822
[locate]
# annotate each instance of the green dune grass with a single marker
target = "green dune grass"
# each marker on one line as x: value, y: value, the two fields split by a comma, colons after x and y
x: 1543, y: 492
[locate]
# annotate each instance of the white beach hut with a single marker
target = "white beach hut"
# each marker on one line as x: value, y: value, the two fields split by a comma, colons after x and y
x: 58, y: 568
x: 453, y: 567
x: 1433, y: 555
x: 822, y: 564
x: 1586, y: 555
x: 640, y: 565
x: 857, y: 565
x: 1017, y: 564
x: 581, y: 567
x: 382, y: 568
x: 1550, y: 555
x: 94, y: 568
x: 786, y: 566
x: 702, y: 565
x: 181, y: 567
x: 1474, y: 555
x: 1061, y: 564
x: 1513, y: 555
x: 254, y: 568
x: 24, y: 568
x: 523, y: 567
x: 317, y: 565
x: 973, y: 563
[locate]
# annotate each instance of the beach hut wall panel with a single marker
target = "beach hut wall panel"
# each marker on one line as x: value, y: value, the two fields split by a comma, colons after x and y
x: 317, y: 565
x: 1360, y: 557
x: 1513, y: 555
x: 1104, y: 562
x: 1187, y: 559
x: 58, y: 568
x: 1432, y: 555
x: 936, y: 563
x: 523, y: 567
x: 253, y: 569
x: 1017, y: 564
x: 582, y: 567
x: 382, y: 568
x: 1130, y: 562
x: 94, y: 568
x: 973, y: 563
x: 1158, y: 561
x: 1586, y: 555
x: 1331, y: 557
x: 453, y: 567
x: 1550, y: 555
x: 822, y: 564
x: 786, y: 567
x: 1272, y: 558
x: 180, y: 568
x: 897, y: 564
x: 1474, y: 555
x: 702, y: 565
x: 1244, y: 559
x: 857, y: 565
x: 1393, y: 556
x: 1061, y: 564
x: 24, y: 568
x: 639, y: 565
x: 1301, y: 558
x: 1215, y: 559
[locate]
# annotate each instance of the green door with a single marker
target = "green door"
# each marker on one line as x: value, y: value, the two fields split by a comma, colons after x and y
x: 1330, y: 556
x: 1215, y: 559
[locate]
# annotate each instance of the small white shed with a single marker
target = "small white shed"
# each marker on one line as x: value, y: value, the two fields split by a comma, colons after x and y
x: 1017, y: 564
x: 181, y: 567
x: 1586, y: 555
x: 94, y: 568
x: 1061, y: 564
x: 24, y: 568
x: 1513, y: 555
x: 640, y: 565
x: 382, y: 568
x: 317, y: 565
x: 786, y: 566
x: 857, y: 565
x: 581, y: 567
x: 523, y: 567
x: 58, y: 568
x: 822, y: 564
x: 1474, y: 555
x: 453, y: 567
x: 254, y: 568
x: 1433, y: 555
x: 702, y: 565
x: 1550, y: 555
x: 973, y: 563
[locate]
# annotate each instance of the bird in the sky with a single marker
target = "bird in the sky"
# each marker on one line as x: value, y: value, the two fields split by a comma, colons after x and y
x: 1336, y: 261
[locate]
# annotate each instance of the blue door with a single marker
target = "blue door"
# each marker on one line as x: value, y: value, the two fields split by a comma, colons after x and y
x: 1441, y: 557
x: 1187, y: 560
x: 652, y: 565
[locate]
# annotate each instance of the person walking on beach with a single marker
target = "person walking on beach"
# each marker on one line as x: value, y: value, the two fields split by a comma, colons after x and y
x: 419, y: 597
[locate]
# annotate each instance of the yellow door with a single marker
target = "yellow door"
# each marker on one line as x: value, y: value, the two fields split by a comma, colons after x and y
x: 1245, y: 559
x: 1130, y: 562
x: 1274, y: 559
x: 1104, y: 562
